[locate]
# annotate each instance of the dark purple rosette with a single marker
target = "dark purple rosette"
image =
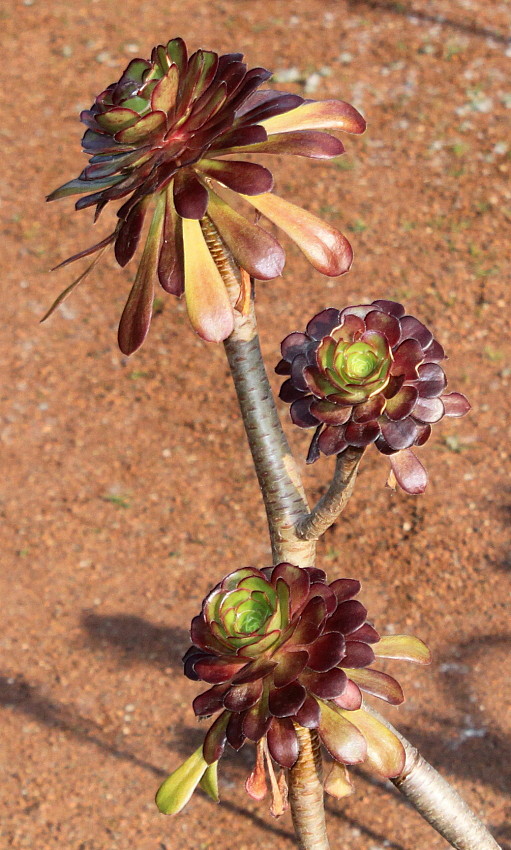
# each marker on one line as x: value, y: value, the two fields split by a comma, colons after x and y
x: 281, y: 648
x: 157, y: 141
x: 368, y: 374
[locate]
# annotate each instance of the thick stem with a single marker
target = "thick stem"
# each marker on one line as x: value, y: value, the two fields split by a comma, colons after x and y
x: 437, y: 801
x: 306, y: 793
x: 286, y: 505
x: 279, y: 479
x: 336, y: 497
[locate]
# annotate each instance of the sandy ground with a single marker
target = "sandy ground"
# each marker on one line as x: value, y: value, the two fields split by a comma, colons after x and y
x: 127, y: 489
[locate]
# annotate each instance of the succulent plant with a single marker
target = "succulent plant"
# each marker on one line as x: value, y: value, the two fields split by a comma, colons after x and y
x: 368, y: 374
x: 158, y: 137
x: 281, y: 648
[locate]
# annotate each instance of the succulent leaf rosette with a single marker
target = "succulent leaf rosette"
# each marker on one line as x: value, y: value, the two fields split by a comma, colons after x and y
x: 157, y: 141
x: 368, y: 374
x: 282, y: 648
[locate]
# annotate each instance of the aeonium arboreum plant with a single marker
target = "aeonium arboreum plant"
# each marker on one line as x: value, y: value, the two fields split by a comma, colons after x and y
x: 157, y: 139
x: 282, y: 648
x: 368, y: 374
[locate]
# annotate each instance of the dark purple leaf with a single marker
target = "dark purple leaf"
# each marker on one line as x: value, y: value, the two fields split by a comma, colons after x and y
x: 326, y: 652
x: 190, y: 196
x: 455, y: 404
x: 407, y: 357
x: 357, y: 654
x: 300, y: 413
x: 308, y: 715
x: 210, y: 701
x: 325, y: 685
x: 366, y: 633
x: 349, y: 616
x: 235, y: 734
x: 282, y: 742
x: 427, y: 410
x: 411, y: 328
x: 286, y: 701
x: 393, y: 308
x: 248, y: 178
x: 323, y: 323
x: 329, y: 413
x: 385, y: 324
x: 332, y: 441
x: 171, y: 272
x: 129, y: 233
x: 345, y: 588
x: 435, y: 352
x: 288, y: 391
x: 432, y: 380
x: 400, y: 435
x: 361, y: 434
x: 215, y: 740
x: 409, y: 472
x: 369, y: 410
x: 295, y: 343
x: 401, y: 405
x: 256, y: 721
x: 218, y: 670
x: 289, y: 667
x: 309, y: 143
x: 240, y: 697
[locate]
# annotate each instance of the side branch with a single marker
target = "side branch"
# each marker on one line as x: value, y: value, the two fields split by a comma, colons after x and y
x: 335, y: 499
x: 437, y: 801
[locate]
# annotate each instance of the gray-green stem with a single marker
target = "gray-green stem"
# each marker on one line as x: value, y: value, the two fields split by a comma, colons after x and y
x: 294, y: 533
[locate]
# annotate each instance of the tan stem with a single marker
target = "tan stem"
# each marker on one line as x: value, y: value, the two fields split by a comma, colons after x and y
x: 335, y: 499
x: 306, y: 793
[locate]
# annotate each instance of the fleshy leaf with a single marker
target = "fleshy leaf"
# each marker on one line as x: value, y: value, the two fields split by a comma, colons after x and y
x: 338, y: 783
x: 255, y: 250
x: 324, y: 246
x: 409, y: 472
x: 385, y: 753
x: 209, y: 782
x: 342, y: 739
x: 317, y: 115
x: 378, y: 684
x: 403, y: 648
x: 207, y: 300
x: 175, y: 792
x: 136, y: 316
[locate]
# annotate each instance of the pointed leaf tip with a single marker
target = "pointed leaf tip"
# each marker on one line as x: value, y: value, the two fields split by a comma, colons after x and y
x: 173, y: 794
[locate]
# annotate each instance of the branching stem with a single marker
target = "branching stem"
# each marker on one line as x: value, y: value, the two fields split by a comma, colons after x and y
x: 336, y: 497
x: 293, y: 534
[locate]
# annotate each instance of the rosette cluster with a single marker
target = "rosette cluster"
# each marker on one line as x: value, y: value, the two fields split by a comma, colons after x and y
x: 281, y: 648
x: 157, y: 139
x: 368, y: 374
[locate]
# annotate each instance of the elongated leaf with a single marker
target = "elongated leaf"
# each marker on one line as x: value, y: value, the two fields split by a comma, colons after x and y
x: 325, y: 248
x: 72, y: 286
x: 402, y: 648
x: 308, y: 143
x: 376, y: 683
x: 209, y: 782
x: 342, y: 739
x: 409, y: 472
x: 209, y: 308
x: 136, y: 316
x: 385, y: 753
x: 253, y: 248
x: 317, y: 115
x: 175, y: 792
